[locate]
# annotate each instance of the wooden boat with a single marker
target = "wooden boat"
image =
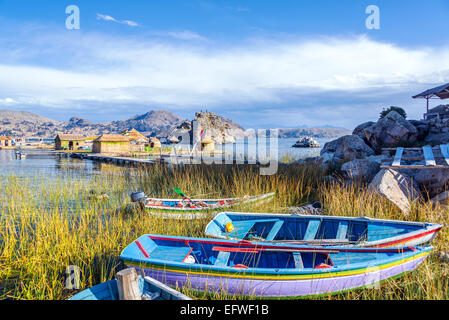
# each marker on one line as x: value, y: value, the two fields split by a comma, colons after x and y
x: 196, y: 208
x: 149, y: 288
x: 320, y: 230
x: 263, y: 269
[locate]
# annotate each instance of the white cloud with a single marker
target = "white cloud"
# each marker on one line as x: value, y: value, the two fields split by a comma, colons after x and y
x: 109, y: 18
x: 181, y: 74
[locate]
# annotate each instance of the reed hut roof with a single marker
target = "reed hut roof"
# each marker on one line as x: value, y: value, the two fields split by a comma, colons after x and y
x: 71, y: 137
x: 136, y: 135
x: 112, y: 138
x: 5, y: 138
x: 441, y: 92
x: 207, y: 140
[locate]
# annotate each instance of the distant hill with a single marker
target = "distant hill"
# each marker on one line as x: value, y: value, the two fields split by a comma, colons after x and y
x: 24, y: 123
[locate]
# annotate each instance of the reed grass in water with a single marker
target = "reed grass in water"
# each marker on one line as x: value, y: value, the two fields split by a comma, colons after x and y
x: 49, y: 224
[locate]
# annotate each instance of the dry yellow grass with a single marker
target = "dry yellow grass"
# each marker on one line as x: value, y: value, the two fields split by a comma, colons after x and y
x: 47, y: 225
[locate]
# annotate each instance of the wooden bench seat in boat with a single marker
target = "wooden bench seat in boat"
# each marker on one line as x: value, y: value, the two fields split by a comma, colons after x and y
x: 243, y: 229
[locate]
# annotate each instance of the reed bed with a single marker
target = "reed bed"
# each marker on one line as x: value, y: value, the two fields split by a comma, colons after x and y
x: 48, y: 224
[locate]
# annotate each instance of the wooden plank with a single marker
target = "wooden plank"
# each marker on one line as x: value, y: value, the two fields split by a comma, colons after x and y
x: 298, y: 260
x: 128, y: 284
x: 222, y: 258
x: 342, y: 230
x: 312, y: 229
x: 428, y: 156
x: 397, y: 157
x: 445, y: 152
x: 414, y: 167
x: 273, y: 232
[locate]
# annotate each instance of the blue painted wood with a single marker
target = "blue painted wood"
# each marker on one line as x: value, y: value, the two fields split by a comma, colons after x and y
x: 397, y: 157
x: 298, y: 260
x: 109, y: 291
x: 222, y: 258
x: 342, y: 230
x: 312, y: 229
x: 445, y: 152
x: 428, y: 156
x: 277, y: 226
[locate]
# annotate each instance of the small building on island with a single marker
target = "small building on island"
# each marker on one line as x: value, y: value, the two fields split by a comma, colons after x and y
x: 6, y: 142
x: 69, y: 141
x: 111, y: 143
x: 208, y: 145
x: 135, y: 137
x: 154, y: 143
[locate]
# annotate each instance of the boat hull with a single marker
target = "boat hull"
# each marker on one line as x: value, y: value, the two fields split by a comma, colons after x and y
x: 372, y: 232
x: 155, y: 207
x: 281, y: 288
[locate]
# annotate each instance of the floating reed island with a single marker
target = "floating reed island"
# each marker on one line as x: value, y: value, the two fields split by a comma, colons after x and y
x: 48, y: 224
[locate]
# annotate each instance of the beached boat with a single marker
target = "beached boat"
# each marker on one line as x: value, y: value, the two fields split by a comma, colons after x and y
x: 263, y: 269
x: 150, y: 289
x: 187, y: 208
x: 320, y: 230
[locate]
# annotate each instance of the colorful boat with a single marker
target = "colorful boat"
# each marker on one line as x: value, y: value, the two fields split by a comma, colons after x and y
x: 261, y: 269
x: 196, y: 208
x: 150, y: 289
x: 320, y: 230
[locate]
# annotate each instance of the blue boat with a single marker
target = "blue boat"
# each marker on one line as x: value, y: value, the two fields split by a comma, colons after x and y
x: 320, y: 230
x: 261, y: 269
x: 149, y: 288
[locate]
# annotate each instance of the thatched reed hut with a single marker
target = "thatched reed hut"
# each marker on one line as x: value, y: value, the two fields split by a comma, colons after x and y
x: 111, y: 143
x: 208, y: 145
x: 69, y: 141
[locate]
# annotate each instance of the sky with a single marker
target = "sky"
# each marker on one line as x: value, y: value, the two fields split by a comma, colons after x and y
x: 263, y: 64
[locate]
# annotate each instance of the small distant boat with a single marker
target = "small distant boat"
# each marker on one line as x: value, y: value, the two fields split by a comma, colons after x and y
x: 187, y: 208
x: 321, y: 230
x: 149, y: 288
x: 260, y: 269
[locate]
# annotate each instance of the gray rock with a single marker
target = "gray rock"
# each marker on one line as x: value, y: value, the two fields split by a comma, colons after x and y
x: 361, y: 169
x: 360, y: 129
x: 390, y: 131
x: 399, y: 188
x: 431, y: 181
x: 344, y: 149
x: 438, y: 137
x: 422, y: 126
x: 442, y: 198
x: 313, y: 208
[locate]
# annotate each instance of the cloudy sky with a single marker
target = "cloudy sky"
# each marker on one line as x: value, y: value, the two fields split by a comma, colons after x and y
x: 264, y: 64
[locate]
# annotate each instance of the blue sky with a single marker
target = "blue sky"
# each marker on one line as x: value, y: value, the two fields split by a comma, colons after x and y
x: 264, y: 64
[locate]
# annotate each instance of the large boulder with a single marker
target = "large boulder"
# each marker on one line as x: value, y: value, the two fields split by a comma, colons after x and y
x: 344, y: 149
x: 423, y: 127
x: 360, y: 129
x: 361, y: 169
x: 390, y: 131
x: 432, y: 182
x: 399, y: 188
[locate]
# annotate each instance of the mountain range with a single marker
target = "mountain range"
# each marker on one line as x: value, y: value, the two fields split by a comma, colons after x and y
x: 158, y: 123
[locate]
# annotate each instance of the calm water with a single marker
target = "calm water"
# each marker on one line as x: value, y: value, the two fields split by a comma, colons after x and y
x: 40, y: 162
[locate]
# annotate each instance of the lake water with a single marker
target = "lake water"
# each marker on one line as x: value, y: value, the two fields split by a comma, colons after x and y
x: 44, y: 162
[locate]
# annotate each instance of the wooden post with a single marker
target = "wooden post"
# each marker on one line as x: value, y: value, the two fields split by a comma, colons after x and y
x: 128, y: 285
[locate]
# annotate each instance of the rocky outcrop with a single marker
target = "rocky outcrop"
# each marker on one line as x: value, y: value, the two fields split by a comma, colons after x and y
x: 390, y: 131
x: 360, y: 129
x: 361, y: 169
x: 345, y: 149
x: 399, y: 188
x: 219, y: 129
x: 306, y: 142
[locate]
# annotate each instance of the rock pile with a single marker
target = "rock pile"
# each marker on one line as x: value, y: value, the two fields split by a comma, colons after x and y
x: 358, y: 157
